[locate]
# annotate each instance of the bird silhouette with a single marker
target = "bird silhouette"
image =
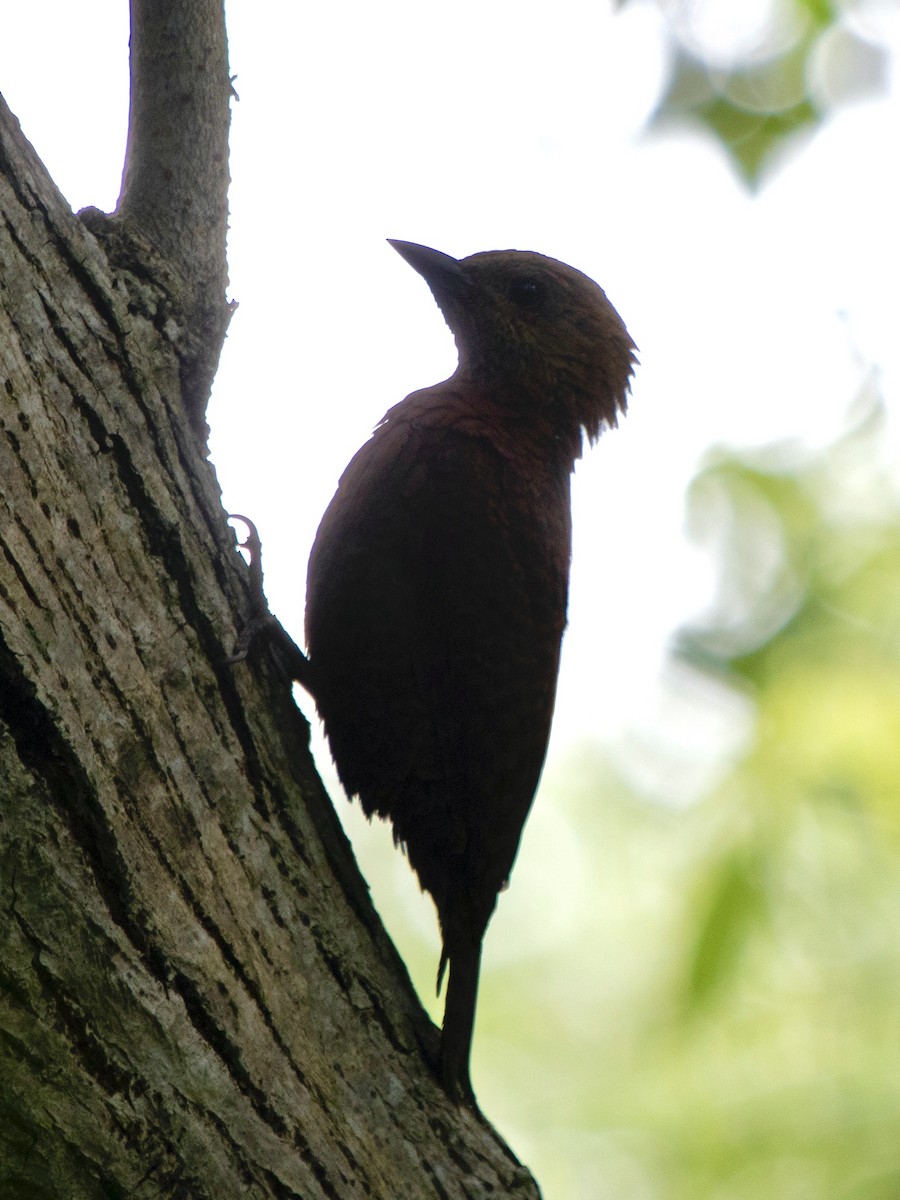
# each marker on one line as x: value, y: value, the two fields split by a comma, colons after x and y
x: 438, y: 581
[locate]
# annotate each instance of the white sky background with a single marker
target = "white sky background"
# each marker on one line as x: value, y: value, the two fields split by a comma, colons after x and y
x: 490, y: 124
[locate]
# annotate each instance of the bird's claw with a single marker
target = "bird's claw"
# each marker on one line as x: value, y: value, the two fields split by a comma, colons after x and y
x: 262, y: 621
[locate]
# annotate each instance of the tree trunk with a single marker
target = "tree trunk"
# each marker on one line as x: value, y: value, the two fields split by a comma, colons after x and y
x: 196, y: 996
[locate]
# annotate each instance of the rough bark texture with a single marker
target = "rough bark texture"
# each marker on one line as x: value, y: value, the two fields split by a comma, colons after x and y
x: 196, y: 997
x: 175, y: 181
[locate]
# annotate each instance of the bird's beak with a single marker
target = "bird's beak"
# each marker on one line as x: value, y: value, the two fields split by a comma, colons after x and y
x: 446, y: 277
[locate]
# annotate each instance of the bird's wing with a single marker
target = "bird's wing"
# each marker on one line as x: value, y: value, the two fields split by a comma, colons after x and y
x: 435, y: 607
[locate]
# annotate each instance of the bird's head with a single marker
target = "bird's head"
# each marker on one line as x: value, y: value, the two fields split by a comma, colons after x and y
x: 533, y: 330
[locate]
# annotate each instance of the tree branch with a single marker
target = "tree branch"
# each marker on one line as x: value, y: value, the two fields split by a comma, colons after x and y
x: 175, y: 181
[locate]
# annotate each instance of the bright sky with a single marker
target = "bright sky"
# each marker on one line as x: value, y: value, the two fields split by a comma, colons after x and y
x: 490, y: 124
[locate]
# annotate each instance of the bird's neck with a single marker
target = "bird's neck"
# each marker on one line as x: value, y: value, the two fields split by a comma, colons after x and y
x: 506, y: 409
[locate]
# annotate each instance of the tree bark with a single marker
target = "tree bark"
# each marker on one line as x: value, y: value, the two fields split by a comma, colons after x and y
x: 196, y: 996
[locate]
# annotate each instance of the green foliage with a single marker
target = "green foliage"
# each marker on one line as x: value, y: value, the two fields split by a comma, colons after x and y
x: 751, y: 110
x: 722, y: 1019
x: 726, y: 916
x: 826, y: 681
x: 769, y: 87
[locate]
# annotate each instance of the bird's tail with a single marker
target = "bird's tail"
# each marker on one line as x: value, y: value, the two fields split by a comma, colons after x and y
x: 459, y: 1018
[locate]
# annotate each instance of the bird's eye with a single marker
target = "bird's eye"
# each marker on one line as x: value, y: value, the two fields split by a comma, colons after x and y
x: 527, y: 292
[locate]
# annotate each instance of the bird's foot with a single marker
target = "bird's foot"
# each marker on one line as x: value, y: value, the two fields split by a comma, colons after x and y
x: 263, y: 623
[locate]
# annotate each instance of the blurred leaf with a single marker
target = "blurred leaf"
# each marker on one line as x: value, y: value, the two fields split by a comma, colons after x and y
x: 822, y: 12
x: 752, y: 111
x: 734, y: 905
x: 759, y: 93
x: 760, y: 525
x: 874, y: 1187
